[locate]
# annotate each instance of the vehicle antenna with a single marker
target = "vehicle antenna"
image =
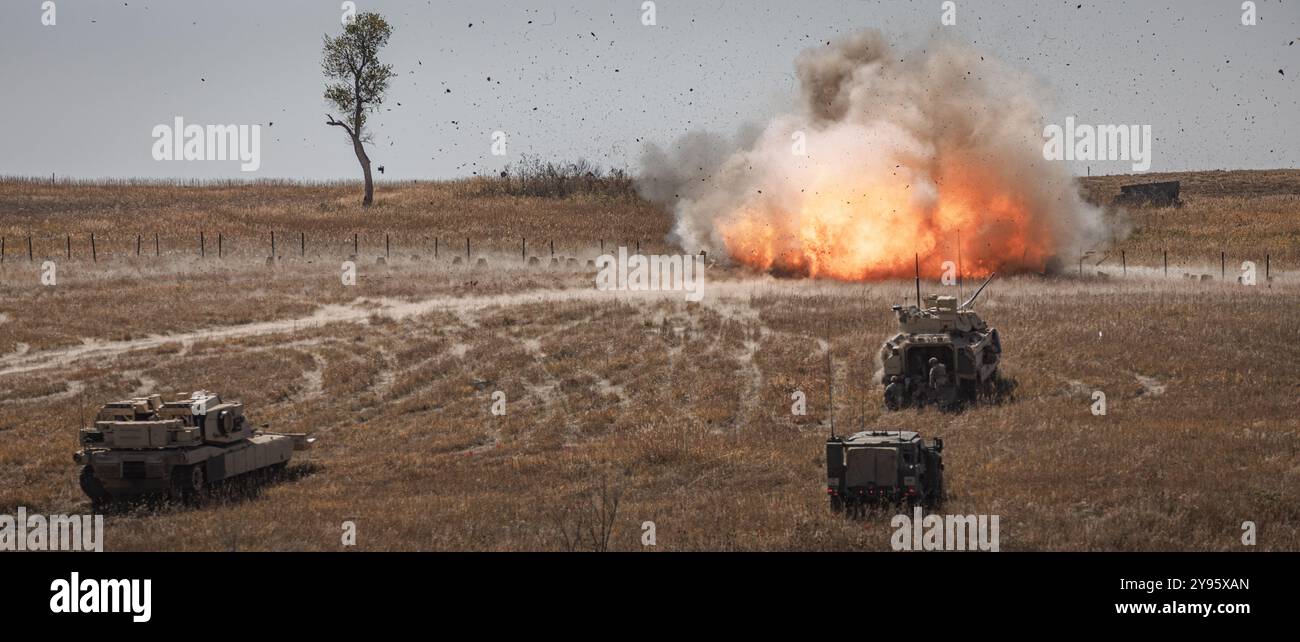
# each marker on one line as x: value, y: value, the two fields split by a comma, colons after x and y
x: 959, y: 292
x: 862, y: 414
x: 971, y: 300
x: 81, y: 412
x: 917, y: 257
x: 862, y: 409
x: 830, y: 383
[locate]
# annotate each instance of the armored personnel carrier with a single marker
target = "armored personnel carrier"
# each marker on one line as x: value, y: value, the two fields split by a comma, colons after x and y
x: 883, y: 467
x: 144, y: 445
x: 949, y: 335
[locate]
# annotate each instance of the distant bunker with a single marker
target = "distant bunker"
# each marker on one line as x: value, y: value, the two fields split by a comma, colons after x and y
x: 1163, y: 194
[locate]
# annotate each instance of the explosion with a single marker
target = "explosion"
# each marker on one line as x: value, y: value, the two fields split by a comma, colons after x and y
x: 888, y: 157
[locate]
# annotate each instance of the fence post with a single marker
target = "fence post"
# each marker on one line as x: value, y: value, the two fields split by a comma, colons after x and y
x: 94, y: 255
x: 29, y: 249
x: 1123, y: 261
x: 1266, y: 268
x: 302, y: 244
x: 1166, y: 263
x: 2, y: 249
x: 69, y: 239
x: 523, y: 252
x: 552, y: 248
x: 435, y: 247
x: 273, y: 244
x: 354, y: 244
x: 157, y: 249
x: 638, y: 246
x: 386, y: 245
x: 138, y: 241
x: 466, y: 248
x: 1223, y: 266
x: 202, y: 250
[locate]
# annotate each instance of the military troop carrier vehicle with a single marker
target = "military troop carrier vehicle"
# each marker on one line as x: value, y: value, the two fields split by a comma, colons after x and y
x: 940, y: 332
x: 883, y: 467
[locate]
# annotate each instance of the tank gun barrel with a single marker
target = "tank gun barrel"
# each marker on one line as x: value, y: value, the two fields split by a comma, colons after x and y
x: 977, y: 292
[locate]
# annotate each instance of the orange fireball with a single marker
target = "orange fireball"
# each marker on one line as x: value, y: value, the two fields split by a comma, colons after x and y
x: 886, y: 157
x: 870, y: 227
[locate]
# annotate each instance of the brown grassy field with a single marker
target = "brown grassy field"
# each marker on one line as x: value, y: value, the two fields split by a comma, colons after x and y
x: 1246, y: 214
x: 680, y: 411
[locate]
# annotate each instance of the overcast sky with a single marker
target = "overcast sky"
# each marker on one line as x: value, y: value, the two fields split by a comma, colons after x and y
x: 586, y: 79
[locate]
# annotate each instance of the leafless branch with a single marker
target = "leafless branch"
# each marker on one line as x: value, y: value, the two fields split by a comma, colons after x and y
x: 338, y: 123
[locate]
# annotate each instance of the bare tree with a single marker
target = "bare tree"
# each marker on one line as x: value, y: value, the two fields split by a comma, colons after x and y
x: 352, y: 61
x: 588, y: 518
x: 604, y: 509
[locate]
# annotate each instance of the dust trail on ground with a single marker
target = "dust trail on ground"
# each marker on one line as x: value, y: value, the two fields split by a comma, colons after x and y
x: 1150, y: 386
x: 72, y: 389
x: 359, y: 311
x: 314, y: 379
x: 741, y: 310
x: 20, y: 349
x: 147, y: 384
x: 722, y: 295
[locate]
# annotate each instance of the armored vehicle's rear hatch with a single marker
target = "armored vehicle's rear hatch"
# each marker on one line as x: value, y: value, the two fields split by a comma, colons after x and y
x: 871, y: 467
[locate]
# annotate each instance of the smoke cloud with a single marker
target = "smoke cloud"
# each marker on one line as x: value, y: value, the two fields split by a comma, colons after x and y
x: 887, y: 155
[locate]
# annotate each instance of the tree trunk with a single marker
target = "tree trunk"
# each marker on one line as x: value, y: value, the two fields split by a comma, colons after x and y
x: 365, y: 168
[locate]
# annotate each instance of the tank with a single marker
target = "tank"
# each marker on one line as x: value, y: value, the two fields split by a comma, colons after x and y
x: 145, y: 445
x: 942, y: 332
x: 883, y: 467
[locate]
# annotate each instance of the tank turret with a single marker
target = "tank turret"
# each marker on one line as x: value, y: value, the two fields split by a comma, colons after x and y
x: 940, y: 314
x: 143, y: 445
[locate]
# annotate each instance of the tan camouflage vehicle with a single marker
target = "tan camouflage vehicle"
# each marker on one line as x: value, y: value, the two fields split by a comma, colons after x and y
x: 145, y: 445
x: 954, y: 337
x: 883, y: 467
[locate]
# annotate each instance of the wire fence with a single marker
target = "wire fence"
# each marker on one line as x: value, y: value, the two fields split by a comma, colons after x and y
x: 288, y: 245
x: 218, y: 245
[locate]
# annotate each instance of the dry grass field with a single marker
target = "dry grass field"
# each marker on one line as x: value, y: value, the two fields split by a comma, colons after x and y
x: 626, y: 408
